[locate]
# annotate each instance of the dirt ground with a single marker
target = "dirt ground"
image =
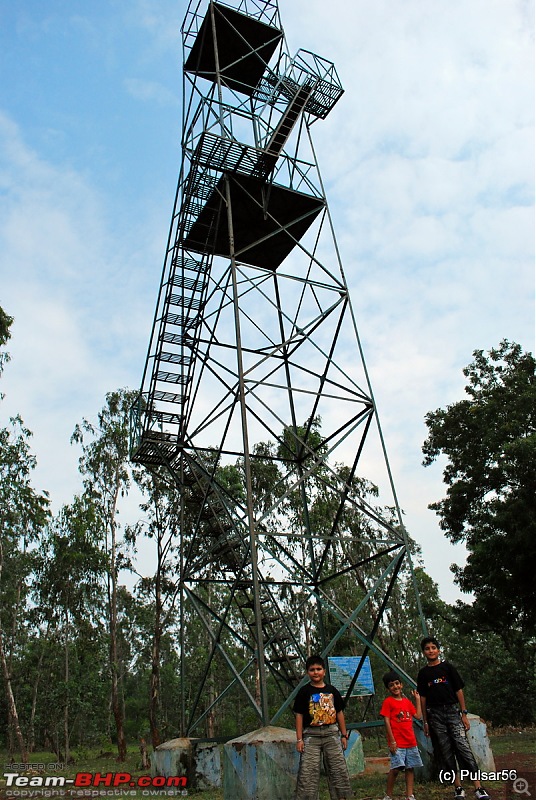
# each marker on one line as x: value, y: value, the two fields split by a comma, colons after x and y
x: 513, y: 750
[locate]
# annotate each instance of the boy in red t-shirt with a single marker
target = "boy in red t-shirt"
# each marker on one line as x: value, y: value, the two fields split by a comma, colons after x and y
x: 398, y: 713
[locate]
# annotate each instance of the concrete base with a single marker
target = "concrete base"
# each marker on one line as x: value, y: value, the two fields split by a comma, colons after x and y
x: 172, y: 758
x: 198, y: 761
x: 261, y: 765
x: 355, y: 758
x: 428, y: 771
x: 477, y: 736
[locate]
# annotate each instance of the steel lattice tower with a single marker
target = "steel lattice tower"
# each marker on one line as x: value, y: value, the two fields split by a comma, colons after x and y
x: 254, y: 341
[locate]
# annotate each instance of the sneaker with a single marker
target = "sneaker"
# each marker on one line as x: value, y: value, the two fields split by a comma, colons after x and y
x: 459, y: 793
x: 410, y: 797
x: 387, y: 797
x: 481, y: 794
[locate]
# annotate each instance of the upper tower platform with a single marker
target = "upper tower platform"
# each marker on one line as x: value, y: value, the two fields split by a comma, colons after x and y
x: 232, y: 46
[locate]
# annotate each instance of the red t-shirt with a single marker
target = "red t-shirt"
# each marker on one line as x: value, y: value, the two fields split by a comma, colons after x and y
x: 400, y: 713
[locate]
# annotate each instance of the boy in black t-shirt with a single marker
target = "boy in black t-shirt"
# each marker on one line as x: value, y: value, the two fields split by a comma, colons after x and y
x: 445, y: 716
x: 318, y: 707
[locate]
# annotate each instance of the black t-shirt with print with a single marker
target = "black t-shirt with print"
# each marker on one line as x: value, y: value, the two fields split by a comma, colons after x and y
x: 319, y: 705
x: 439, y: 684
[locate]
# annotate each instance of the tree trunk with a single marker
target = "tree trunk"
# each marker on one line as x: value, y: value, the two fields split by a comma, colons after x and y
x: 211, y: 689
x: 13, y: 717
x: 116, y: 701
x: 114, y: 658
x: 145, y: 764
x: 154, y: 688
x: 66, y: 707
x: 211, y: 715
x: 11, y: 705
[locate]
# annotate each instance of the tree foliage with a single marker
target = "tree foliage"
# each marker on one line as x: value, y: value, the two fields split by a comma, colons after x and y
x: 85, y: 661
x: 489, y: 440
x: 5, y: 324
x: 107, y: 476
x: 161, y: 506
x: 23, y: 513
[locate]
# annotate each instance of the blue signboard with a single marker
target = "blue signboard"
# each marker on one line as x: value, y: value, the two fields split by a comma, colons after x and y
x: 342, y: 670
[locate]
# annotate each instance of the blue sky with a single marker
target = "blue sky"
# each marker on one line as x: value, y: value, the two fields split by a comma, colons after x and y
x: 428, y: 165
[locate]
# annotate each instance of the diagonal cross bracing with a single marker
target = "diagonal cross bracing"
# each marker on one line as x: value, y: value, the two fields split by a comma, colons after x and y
x: 254, y: 395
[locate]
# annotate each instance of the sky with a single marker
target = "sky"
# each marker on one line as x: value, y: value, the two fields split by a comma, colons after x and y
x: 428, y: 164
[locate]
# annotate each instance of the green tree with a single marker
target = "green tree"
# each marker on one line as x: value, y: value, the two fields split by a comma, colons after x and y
x: 107, y: 477
x: 5, y: 324
x: 23, y: 512
x: 161, y: 525
x: 70, y: 571
x: 361, y: 541
x: 489, y: 440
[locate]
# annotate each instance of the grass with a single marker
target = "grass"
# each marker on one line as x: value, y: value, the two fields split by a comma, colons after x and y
x: 511, y: 742
x: 506, y: 745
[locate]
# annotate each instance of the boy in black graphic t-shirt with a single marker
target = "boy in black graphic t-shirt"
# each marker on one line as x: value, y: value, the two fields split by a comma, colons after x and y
x: 318, y: 707
x: 445, y: 716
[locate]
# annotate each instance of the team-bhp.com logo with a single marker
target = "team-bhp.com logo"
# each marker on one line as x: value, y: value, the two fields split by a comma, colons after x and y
x: 86, y: 780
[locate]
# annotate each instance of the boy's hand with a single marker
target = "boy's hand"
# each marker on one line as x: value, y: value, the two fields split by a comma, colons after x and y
x: 393, y: 747
x: 415, y: 694
x: 300, y: 746
x: 465, y: 722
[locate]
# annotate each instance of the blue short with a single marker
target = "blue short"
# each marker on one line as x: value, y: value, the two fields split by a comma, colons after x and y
x: 406, y: 758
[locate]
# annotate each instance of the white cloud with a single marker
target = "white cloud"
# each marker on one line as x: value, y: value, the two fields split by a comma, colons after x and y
x: 428, y: 161
x: 81, y: 326
x: 150, y: 91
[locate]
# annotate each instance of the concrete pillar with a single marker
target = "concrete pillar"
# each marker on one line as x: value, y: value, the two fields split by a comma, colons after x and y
x: 261, y: 765
x: 355, y: 757
x: 197, y: 760
x: 477, y: 736
x: 173, y: 758
x: 428, y: 771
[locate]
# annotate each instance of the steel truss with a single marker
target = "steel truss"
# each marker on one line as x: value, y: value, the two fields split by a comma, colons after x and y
x: 255, y: 361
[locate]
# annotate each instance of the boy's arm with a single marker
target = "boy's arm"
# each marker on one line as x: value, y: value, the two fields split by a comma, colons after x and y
x: 461, y: 700
x: 423, y: 714
x: 299, y: 732
x: 342, y: 727
x: 417, y: 700
x: 391, y: 743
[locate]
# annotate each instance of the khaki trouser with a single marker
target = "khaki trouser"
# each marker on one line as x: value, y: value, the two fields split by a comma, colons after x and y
x: 322, y: 741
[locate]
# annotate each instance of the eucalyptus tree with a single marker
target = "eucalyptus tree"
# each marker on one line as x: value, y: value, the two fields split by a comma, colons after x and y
x: 71, y: 566
x: 162, y: 509
x: 105, y: 465
x: 23, y: 513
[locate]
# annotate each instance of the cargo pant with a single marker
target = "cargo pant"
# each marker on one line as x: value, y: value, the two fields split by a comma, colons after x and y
x: 322, y: 742
x: 448, y: 732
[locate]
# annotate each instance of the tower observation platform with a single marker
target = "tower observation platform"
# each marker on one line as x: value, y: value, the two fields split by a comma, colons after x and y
x: 254, y: 391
